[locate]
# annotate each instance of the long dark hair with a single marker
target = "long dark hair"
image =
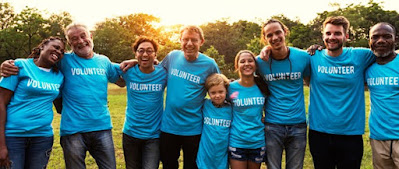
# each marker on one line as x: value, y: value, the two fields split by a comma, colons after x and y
x: 35, y: 53
x: 259, y: 79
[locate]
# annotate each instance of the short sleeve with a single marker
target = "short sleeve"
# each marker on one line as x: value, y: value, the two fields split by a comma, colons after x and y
x: 113, y: 72
x: 216, y: 67
x: 366, y: 56
x: 306, y: 71
x: 165, y: 62
x: 9, y: 83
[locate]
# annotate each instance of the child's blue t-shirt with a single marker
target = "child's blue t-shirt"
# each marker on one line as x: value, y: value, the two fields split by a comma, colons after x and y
x: 185, y: 92
x: 145, y: 93
x: 286, y: 105
x: 337, y: 91
x: 84, y: 96
x: 212, y: 151
x: 30, y: 110
x: 247, y: 129
x: 383, y: 84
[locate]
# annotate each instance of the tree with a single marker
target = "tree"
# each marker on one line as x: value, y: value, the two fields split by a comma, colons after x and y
x: 111, y: 39
x: 6, y: 20
x: 114, y: 37
x: 6, y: 15
x: 30, y: 23
x: 57, y: 22
x: 228, y: 39
x: 226, y: 69
x: 361, y: 18
x: 255, y: 46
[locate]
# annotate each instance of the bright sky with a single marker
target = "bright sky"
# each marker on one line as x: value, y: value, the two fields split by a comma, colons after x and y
x: 197, y: 12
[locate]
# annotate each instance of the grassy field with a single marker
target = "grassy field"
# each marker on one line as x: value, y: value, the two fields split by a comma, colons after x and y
x: 117, y: 104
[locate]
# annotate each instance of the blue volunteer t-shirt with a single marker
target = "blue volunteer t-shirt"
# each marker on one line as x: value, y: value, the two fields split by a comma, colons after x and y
x: 337, y: 91
x: 144, y: 108
x: 185, y: 92
x: 30, y: 110
x: 383, y: 83
x: 84, y: 96
x: 286, y: 104
x: 212, y: 151
x: 247, y: 129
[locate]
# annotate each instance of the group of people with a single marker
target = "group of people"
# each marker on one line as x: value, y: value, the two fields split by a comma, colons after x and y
x: 226, y: 129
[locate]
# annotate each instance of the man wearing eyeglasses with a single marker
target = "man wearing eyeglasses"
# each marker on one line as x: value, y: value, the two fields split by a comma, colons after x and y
x: 181, y: 124
x: 145, y: 94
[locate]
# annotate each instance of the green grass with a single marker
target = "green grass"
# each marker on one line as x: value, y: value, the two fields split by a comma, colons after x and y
x: 117, y: 105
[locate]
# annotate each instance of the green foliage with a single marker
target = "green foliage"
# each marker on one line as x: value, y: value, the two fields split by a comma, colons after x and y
x: 6, y: 15
x: 20, y: 33
x: 255, y: 45
x: 29, y: 23
x: 110, y: 39
x: 361, y: 18
x: 115, y: 36
x: 227, y: 38
x: 226, y: 69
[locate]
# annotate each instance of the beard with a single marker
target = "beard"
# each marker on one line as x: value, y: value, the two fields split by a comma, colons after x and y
x: 338, y: 46
x: 382, y: 54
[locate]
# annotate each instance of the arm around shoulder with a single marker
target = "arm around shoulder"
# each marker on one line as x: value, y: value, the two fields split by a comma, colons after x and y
x: 8, y: 68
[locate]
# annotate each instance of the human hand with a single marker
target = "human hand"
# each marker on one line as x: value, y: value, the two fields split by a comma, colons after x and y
x: 8, y: 68
x: 4, y: 160
x: 127, y: 64
x: 265, y: 53
x: 312, y: 49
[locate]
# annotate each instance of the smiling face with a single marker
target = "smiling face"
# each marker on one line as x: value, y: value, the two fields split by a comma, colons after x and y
x: 246, y: 64
x: 52, y: 52
x: 274, y: 35
x: 190, y: 44
x: 334, y: 37
x: 81, y: 41
x: 382, y: 40
x: 145, y: 54
x: 217, y: 94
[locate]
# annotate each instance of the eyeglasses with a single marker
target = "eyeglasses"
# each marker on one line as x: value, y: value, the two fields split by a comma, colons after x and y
x: 149, y: 51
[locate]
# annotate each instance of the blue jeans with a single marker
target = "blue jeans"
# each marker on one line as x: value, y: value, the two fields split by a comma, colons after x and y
x: 141, y: 154
x: 29, y: 152
x: 99, y: 144
x: 244, y: 154
x: 291, y: 138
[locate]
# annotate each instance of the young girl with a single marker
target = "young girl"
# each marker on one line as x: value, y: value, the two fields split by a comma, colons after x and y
x: 212, y: 152
x: 26, y: 110
x: 247, y: 137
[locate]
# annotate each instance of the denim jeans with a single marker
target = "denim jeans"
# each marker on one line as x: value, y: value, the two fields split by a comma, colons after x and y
x: 29, y: 152
x: 99, y: 144
x: 170, y: 150
x: 291, y: 138
x: 141, y: 154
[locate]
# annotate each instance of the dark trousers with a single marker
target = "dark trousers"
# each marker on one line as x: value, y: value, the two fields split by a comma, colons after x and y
x: 139, y: 153
x: 330, y: 151
x: 170, y: 150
